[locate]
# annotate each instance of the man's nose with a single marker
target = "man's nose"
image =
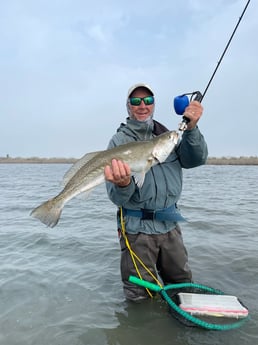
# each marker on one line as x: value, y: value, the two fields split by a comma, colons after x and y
x: 142, y: 104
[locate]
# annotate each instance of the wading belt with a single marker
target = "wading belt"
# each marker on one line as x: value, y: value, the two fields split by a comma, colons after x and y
x: 166, y: 214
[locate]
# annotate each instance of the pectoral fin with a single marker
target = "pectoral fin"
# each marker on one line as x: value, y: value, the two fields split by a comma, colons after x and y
x: 139, y: 178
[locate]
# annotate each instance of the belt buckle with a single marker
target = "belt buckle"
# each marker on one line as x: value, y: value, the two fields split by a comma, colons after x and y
x: 147, y: 214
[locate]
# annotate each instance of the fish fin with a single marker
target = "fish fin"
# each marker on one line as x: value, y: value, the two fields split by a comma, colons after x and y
x: 139, y: 178
x: 77, y: 166
x: 49, y: 212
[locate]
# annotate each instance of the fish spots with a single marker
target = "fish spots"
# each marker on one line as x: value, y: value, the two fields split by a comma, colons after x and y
x: 127, y: 152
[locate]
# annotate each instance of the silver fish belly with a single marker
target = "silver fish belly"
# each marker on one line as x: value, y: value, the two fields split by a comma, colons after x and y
x: 88, y: 172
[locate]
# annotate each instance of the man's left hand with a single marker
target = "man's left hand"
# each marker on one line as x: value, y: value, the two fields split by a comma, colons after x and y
x: 193, y: 112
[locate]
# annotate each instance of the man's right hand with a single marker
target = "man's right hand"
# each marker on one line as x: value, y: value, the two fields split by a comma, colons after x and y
x: 118, y: 173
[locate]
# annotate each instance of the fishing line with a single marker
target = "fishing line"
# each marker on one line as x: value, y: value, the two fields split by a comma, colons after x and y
x: 182, y: 101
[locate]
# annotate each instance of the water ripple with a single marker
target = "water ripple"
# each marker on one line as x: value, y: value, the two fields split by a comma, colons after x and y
x: 62, y: 285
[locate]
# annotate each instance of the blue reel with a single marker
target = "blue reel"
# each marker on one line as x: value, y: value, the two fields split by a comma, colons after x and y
x: 180, y: 103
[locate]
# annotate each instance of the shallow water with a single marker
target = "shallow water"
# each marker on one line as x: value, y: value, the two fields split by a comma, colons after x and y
x: 62, y: 285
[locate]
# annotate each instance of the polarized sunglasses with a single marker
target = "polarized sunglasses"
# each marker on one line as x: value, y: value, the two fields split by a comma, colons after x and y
x: 148, y: 100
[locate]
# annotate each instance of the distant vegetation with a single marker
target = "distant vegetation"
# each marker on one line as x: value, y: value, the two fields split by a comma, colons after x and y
x: 210, y: 161
x: 36, y: 160
x: 233, y: 160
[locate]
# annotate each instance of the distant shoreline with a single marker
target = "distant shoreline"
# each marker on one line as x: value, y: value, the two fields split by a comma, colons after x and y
x: 210, y: 161
x: 37, y: 160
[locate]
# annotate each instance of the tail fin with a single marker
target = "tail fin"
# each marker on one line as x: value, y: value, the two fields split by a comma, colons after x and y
x: 49, y: 212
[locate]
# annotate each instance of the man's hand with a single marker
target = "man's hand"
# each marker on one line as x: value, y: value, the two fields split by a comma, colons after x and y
x: 118, y: 173
x: 193, y: 112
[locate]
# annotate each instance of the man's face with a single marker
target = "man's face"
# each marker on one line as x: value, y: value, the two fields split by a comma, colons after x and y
x: 141, y: 112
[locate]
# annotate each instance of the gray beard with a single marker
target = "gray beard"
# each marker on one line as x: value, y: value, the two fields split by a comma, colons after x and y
x: 149, y: 119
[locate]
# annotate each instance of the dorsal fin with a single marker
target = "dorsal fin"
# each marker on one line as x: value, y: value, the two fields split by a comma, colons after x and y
x: 77, y: 166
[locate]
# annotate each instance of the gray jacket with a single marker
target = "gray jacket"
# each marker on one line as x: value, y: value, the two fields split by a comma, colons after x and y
x: 163, y: 183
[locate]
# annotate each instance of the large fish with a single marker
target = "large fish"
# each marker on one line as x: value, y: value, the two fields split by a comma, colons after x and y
x: 88, y: 172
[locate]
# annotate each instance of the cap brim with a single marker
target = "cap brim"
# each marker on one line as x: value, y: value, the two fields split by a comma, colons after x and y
x: 136, y: 86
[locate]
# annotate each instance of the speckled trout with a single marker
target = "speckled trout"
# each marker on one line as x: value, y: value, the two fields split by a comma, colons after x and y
x: 88, y: 172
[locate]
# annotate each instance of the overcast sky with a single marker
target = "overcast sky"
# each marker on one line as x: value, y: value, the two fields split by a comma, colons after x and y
x: 66, y: 66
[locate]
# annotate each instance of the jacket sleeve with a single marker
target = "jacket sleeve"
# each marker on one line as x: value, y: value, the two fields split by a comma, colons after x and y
x: 192, y: 150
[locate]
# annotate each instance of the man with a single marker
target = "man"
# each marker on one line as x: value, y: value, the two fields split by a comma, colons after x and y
x: 158, y: 244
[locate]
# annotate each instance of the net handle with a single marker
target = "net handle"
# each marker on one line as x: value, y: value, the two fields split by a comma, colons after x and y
x: 145, y: 284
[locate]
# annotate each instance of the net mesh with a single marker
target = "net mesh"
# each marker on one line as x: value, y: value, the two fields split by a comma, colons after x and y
x: 203, y: 321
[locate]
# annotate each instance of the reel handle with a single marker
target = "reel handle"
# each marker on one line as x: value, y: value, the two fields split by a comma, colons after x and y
x: 197, y: 96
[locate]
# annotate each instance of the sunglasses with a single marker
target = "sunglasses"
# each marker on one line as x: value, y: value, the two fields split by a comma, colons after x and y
x: 149, y: 100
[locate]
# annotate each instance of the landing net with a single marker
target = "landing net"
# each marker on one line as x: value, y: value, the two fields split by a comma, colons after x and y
x: 189, y: 305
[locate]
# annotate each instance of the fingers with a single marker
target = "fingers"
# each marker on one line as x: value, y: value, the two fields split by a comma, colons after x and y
x: 120, y: 169
x: 193, y: 112
x: 118, y: 173
x: 108, y: 173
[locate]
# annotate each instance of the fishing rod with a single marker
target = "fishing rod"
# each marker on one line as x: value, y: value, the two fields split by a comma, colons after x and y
x: 182, y: 101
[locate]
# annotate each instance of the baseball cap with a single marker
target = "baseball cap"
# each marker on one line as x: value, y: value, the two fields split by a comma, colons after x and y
x: 136, y: 86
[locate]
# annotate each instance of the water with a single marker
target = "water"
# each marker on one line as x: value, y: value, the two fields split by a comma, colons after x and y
x: 62, y: 286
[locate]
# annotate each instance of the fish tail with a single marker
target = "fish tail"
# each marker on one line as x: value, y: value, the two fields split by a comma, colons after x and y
x: 49, y: 212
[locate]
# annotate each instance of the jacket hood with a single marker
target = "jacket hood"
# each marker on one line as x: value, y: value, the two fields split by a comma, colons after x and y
x: 137, y: 130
